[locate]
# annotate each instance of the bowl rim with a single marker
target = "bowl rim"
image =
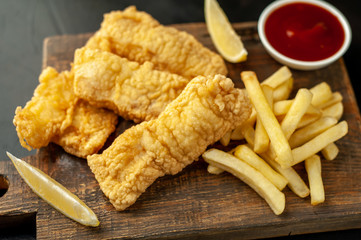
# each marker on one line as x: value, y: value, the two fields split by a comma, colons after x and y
x: 299, y: 63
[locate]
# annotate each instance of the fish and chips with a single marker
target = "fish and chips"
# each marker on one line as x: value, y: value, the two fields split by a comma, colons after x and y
x: 176, y: 89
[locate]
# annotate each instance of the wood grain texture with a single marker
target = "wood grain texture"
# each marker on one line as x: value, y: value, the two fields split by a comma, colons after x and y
x: 193, y: 203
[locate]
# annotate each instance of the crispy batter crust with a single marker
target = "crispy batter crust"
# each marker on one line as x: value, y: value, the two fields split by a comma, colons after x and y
x: 139, y: 37
x: 132, y: 90
x: 55, y: 114
x: 206, y: 109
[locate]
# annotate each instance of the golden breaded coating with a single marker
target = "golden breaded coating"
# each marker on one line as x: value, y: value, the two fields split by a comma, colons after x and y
x: 89, y: 129
x: 133, y: 91
x: 139, y: 37
x: 55, y: 114
x: 206, y: 109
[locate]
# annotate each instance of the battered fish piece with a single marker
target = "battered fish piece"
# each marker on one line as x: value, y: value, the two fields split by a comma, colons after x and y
x: 55, y: 114
x: 133, y: 91
x: 139, y: 37
x: 206, y: 109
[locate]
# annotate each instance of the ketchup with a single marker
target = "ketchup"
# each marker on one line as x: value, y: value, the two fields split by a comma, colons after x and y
x: 304, y: 31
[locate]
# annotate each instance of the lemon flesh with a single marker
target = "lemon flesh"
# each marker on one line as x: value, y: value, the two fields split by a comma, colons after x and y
x: 54, y: 193
x: 225, y: 39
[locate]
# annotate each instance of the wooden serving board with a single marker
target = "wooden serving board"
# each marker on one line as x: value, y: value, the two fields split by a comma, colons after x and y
x: 193, y: 203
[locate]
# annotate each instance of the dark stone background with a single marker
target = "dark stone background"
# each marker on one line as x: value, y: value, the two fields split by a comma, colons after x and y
x: 25, y: 23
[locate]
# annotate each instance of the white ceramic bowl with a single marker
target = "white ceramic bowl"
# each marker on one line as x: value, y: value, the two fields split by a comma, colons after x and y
x: 297, y: 64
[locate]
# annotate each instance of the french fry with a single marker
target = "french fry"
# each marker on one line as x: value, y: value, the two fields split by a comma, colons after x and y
x: 311, y: 110
x: 282, y: 82
x: 335, y: 110
x: 282, y: 75
x: 253, y: 178
x: 310, y: 131
x: 226, y: 138
x: 330, y: 152
x: 307, y: 119
x: 237, y: 132
x: 269, y: 121
x: 336, y: 97
x: 248, y: 133
x: 252, y: 119
x: 261, y: 139
x: 319, y: 142
x: 283, y: 91
x: 321, y: 94
x: 282, y: 107
x: 268, y: 93
x: 313, y: 168
x: 295, y: 182
x: 298, y: 108
x: 214, y: 170
x: 306, y: 124
x: 247, y: 155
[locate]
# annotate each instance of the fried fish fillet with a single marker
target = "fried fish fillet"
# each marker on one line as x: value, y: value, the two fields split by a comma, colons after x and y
x: 132, y: 90
x: 206, y: 109
x: 55, y: 114
x: 139, y: 37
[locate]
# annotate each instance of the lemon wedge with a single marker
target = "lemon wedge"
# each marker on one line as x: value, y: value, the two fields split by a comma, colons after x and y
x: 54, y: 193
x: 226, y: 40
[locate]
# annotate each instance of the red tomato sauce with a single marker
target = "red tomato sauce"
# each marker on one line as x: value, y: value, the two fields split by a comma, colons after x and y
x: 304, y: 32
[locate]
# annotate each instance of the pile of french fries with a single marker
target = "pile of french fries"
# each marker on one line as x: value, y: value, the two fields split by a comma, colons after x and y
x: 281, y: 133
